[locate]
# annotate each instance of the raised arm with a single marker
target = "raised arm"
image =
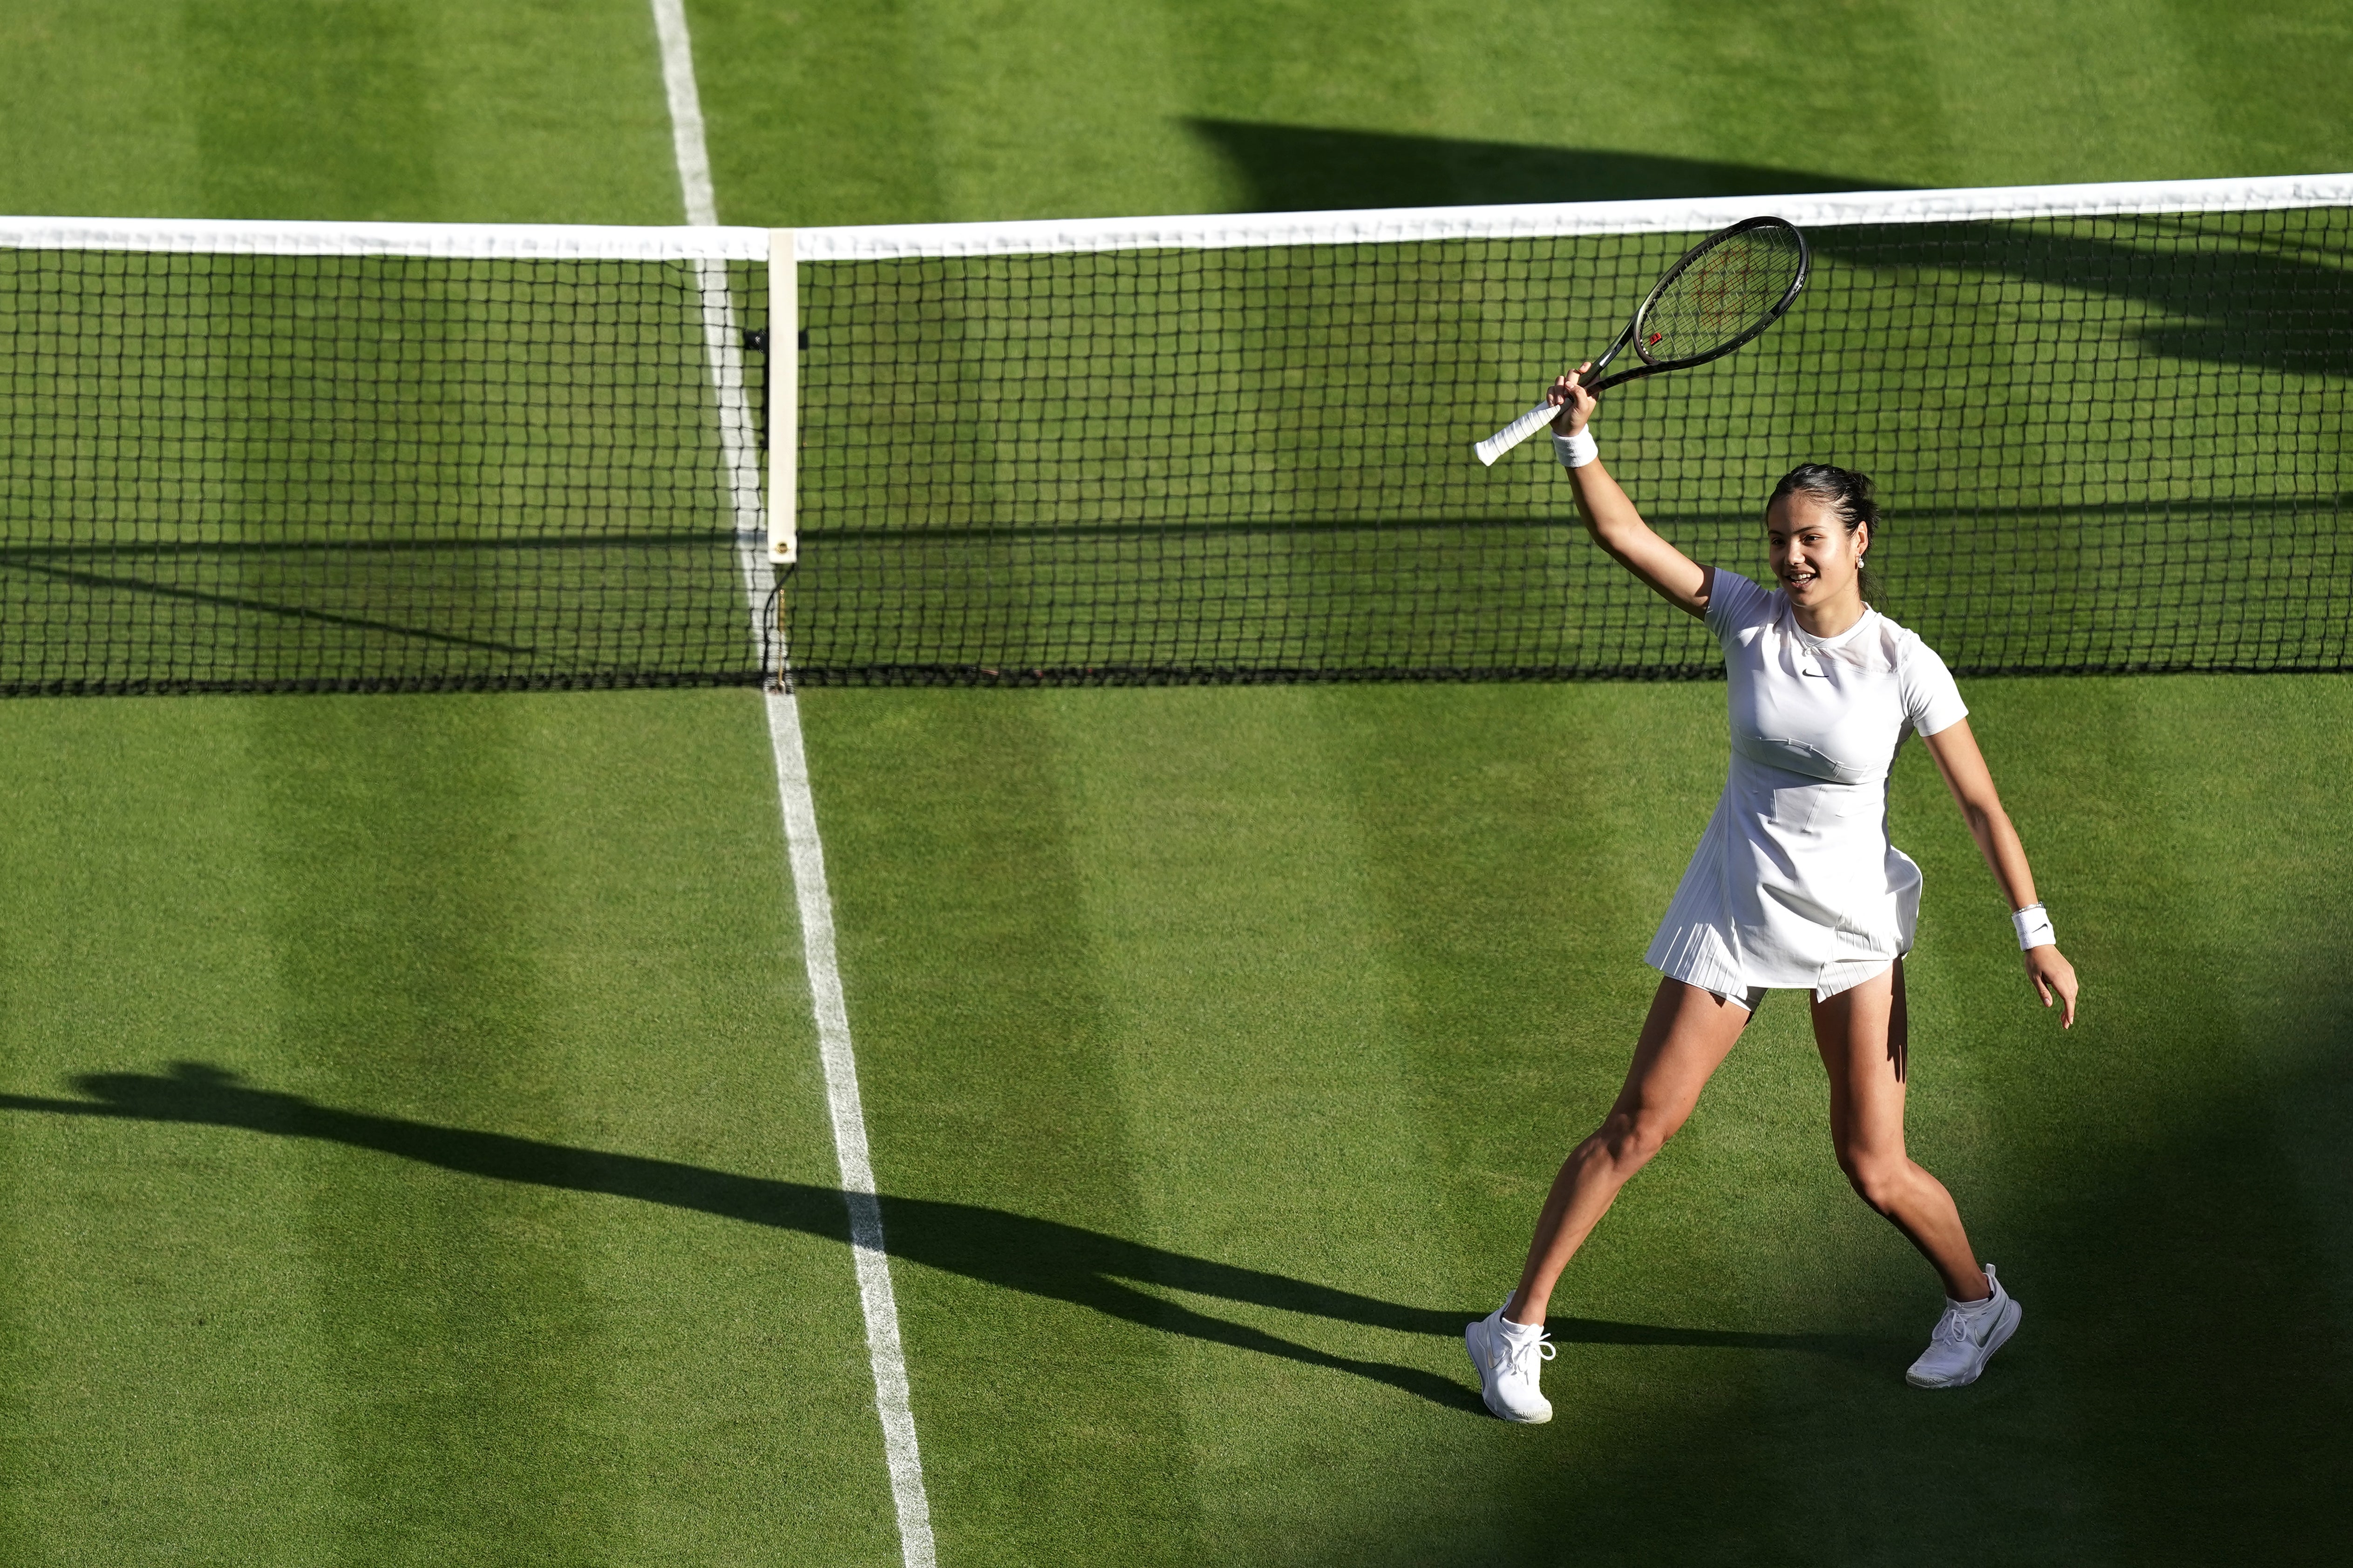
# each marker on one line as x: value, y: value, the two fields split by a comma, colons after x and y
x: 1966, y: 776
x: 1614, y: 523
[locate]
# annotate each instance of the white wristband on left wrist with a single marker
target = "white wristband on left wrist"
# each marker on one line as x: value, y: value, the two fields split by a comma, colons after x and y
x: 2033, y: 923
x: 1577, y: 449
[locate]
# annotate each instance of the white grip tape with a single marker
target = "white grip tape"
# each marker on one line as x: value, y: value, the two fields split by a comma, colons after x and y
x: 2033, y: 923
x: 1517, y: 431
x: 1577, y: 448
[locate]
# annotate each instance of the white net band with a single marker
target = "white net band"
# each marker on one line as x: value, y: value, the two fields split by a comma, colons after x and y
x: 1212, y: 231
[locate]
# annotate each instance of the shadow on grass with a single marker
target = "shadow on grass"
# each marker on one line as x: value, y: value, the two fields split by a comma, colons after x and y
x: 2255, y: 301
x: 1038, y: 1256
x: 1301, y: 168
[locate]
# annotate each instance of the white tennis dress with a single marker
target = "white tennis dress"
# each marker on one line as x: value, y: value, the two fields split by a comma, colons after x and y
x: 1794, y: 883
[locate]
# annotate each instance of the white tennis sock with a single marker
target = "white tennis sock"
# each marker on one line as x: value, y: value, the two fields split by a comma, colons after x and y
x: 1517, y: 1332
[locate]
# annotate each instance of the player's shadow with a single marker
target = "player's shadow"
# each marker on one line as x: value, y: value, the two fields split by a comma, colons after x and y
x: 2252, y: 301
x: 1108, y: 1274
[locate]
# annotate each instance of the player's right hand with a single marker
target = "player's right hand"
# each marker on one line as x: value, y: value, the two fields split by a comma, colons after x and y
x: 1576, y: 404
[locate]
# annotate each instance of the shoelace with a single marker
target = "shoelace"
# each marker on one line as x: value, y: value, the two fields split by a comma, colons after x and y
x: 1955, y: 1326
x: 1514, y: 1355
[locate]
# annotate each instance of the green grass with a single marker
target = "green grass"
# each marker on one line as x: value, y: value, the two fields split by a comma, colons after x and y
x: 476, y: 913
x: 1319, y: 982
x: 1059, y: 108
x: 522, y: 112
x: 1179, y: 1010
x: 1263, y: 1008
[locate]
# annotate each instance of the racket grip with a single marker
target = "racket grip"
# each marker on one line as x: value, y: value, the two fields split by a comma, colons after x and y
x: 1517, y: 431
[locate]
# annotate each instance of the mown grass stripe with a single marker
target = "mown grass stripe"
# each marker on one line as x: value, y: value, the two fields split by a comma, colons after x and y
x: 449, y: 1317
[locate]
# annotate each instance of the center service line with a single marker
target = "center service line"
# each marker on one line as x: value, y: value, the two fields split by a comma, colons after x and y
x: 740, y: 453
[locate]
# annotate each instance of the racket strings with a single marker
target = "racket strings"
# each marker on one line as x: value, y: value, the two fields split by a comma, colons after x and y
x: 1721, y: 297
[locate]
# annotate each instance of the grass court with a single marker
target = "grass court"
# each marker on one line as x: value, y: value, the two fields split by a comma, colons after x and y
x: 412, y: 1142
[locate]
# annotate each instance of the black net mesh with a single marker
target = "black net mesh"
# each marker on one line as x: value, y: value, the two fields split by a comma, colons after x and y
x: 236, y: 472
x: 2102, y: 443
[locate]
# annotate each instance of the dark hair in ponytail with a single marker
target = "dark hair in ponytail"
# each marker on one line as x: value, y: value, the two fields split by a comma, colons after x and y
x: 1847, y: 494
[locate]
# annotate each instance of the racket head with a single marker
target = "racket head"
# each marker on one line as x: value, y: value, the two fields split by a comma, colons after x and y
x: 1726, y: 288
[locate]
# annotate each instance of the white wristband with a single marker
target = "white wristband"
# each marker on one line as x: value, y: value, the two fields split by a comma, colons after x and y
x: 2033, y: 923
x: 1576, y: 451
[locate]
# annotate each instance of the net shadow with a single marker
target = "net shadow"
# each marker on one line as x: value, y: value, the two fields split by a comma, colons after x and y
x: 112, y: 582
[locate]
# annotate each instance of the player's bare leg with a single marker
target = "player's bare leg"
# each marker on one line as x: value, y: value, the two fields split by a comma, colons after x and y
x: 1686, y: 1038
x: 1863, y: 1037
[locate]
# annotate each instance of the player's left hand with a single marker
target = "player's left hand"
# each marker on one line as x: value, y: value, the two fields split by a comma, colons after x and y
x: 2048, y: 968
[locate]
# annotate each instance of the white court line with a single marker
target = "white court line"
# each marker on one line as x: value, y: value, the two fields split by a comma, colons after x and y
x: 740, y: 454
x: 687, y: 144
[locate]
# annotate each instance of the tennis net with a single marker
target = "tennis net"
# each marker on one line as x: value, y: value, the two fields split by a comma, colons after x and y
x: 2108, y: 425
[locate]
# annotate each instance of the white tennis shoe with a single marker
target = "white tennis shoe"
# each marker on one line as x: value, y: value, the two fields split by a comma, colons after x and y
x: 1966, y: 1339
x: 1508, y: 1371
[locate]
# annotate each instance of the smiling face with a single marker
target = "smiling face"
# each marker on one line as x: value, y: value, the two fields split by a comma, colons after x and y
x: 1816, y: 557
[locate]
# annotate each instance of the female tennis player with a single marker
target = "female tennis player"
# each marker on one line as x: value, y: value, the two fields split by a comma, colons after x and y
x: 1794, y: 886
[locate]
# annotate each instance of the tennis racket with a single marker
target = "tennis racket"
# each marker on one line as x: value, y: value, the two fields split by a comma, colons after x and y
x: 1727, y: 288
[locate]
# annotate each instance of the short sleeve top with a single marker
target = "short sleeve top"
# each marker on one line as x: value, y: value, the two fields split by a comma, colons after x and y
x: 1833, y: 709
